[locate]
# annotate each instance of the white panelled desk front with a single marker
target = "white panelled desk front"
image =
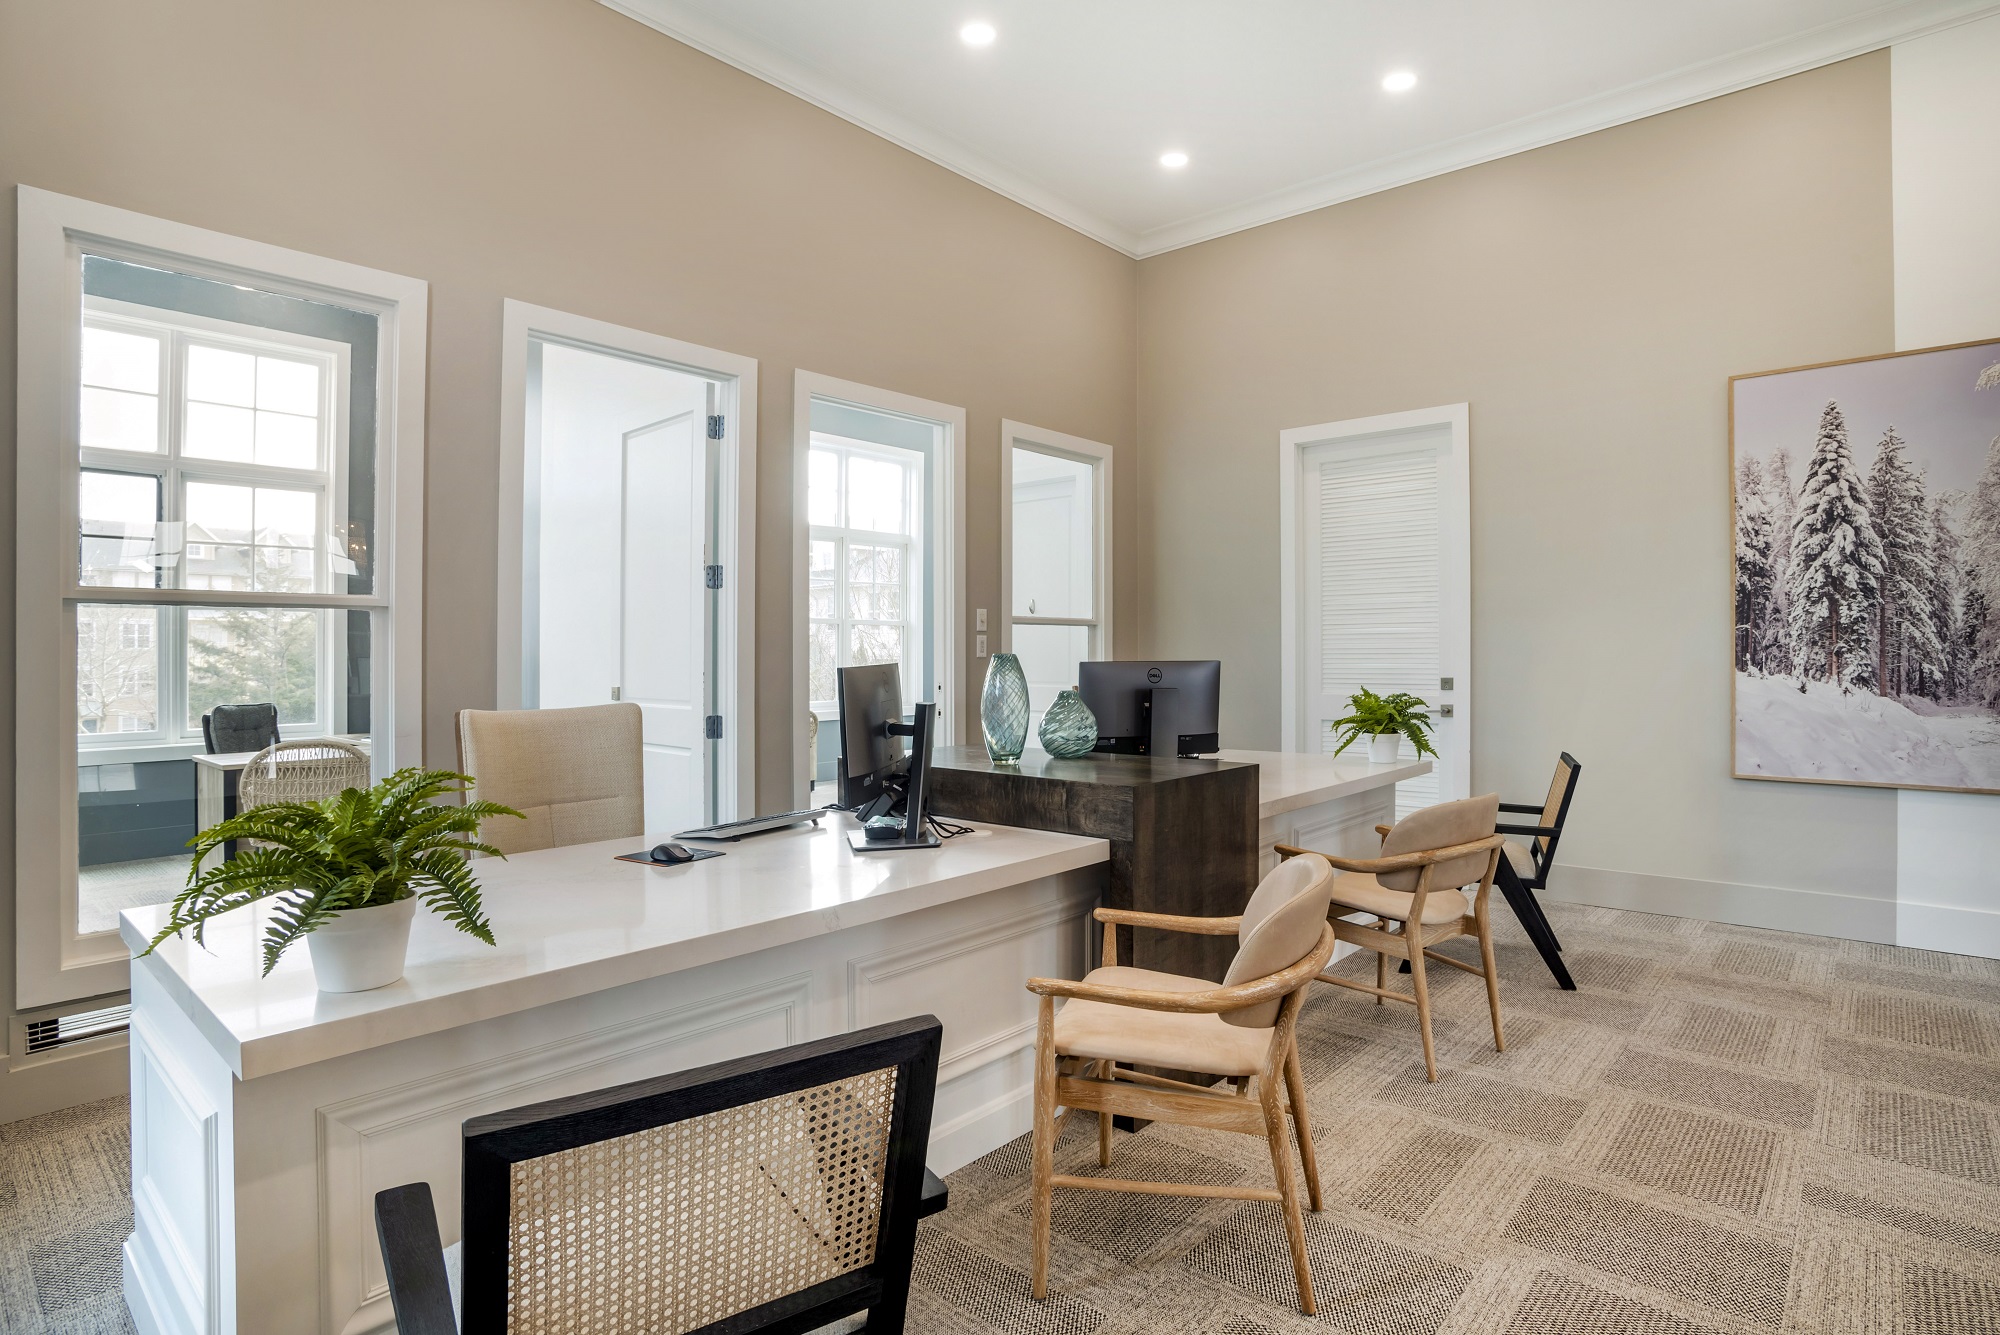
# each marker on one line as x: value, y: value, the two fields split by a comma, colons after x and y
x: 267, y: 1114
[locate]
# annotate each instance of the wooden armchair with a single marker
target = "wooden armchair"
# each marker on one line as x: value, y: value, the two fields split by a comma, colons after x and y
x: 1524, y: 868
x: 1413, y: 891
x: 1242, y: 1030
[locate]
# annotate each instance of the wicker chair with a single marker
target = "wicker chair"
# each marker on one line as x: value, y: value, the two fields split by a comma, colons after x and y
x: 775, y: 1192
x: 301, y: 771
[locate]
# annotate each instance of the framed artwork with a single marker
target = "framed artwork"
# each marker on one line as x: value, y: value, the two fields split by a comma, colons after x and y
x: 1865, y: 497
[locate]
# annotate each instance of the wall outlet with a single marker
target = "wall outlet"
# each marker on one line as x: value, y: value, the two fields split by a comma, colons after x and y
x: 979, y: 645
x: 979, y: 619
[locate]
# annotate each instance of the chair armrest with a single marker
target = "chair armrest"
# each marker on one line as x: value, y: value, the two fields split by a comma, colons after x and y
x: 1400, y: 861
x: 934, y: 1197
x: 1211, y: 1001
x: 1537, y: 830
x: 1383, y: 830
x: 1520, y: 806
x: 413, y: 1257
x: 1169, y: 922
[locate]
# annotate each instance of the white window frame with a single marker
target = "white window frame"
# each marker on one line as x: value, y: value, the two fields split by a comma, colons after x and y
x: 734, y: 378
x: 1454, y: 555
x: 909, y: 541
x: 1059, y: 445
x: 174, y: 739
x: 945, y: 524
x: 54, y: 962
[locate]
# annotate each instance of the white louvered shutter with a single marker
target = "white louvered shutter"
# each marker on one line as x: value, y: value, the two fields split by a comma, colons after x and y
x: 1372, y: 596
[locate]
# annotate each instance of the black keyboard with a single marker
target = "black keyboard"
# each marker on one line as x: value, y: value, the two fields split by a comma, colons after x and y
x: 736, y: 829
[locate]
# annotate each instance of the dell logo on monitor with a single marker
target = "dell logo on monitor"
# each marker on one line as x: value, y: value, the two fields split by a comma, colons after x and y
x: 1155, y: 676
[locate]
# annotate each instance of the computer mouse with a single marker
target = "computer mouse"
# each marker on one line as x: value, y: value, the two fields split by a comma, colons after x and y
x: 672, y: 853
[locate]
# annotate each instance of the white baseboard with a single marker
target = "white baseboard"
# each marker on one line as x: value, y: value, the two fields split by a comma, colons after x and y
x: 975, y: 1134
x: 1780, y: 908
x: 1945, y: 927
x: 32, y: 1086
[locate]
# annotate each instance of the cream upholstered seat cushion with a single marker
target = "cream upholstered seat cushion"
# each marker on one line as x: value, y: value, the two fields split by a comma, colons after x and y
x: 1359, y: 890
x: 576, y: 774
x: 1139, y: 1037
x: 1521, y: 858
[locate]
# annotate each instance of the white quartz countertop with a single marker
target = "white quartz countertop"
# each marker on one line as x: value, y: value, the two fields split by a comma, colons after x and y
x: 1292, y: 780
x: 573, y: 921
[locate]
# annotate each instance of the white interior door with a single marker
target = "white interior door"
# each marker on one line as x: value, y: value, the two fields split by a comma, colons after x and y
x: 664, y: 613
x: 1384, y: 583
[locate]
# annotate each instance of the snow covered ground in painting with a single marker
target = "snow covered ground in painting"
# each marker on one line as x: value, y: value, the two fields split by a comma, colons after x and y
x: 1862, y: 737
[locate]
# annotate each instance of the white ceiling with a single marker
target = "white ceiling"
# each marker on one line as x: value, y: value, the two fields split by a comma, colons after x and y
x: 1278, y: 103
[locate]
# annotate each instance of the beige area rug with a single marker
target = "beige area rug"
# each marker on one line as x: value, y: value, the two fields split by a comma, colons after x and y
x: 1725, y: 1132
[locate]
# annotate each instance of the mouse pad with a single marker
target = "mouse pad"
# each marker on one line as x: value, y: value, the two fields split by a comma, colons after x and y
x: 644, y: 857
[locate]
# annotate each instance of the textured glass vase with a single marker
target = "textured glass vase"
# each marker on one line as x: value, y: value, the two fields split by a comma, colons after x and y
x: 1003, y: 709
x: 1069, y: 729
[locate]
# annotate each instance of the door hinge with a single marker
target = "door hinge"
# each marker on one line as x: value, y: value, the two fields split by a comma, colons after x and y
x: 711, y: 727
x: 714, y: 577
x: 715, y: 426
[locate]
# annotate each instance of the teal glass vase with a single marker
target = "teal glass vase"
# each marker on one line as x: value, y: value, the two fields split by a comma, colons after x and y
x: 1003, y: 709
x: 1069, y: 729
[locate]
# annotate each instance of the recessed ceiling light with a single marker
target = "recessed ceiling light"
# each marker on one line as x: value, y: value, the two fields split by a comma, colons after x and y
x: 977, y: 34
x: 1402, y: 81
x: 1174, y: 161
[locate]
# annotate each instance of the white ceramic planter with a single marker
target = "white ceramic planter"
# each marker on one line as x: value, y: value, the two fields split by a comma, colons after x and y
x: 362, y: 948
x: 1382, y: 747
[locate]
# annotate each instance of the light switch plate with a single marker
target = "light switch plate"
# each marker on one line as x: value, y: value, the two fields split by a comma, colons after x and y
x: 979, y: 621
x: 979, y: 645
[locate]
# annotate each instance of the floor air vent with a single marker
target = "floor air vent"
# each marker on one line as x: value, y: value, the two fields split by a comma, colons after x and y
x: 61, y: 1030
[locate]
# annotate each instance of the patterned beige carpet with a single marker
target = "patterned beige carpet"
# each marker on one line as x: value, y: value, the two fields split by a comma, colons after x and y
x: 1726, y: 1132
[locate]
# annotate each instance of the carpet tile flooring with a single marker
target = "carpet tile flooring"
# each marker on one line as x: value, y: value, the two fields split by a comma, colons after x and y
x: 1725, y: 1132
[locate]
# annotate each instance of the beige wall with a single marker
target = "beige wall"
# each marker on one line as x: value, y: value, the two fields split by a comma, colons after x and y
x: 556, y: 152
x: 1589, y: 300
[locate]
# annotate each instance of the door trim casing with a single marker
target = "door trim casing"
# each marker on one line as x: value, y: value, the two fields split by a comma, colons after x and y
x: 1454, y: 552
x: 735, y: 380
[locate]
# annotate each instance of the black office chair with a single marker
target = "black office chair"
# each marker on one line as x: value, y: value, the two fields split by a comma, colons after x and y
x: 1525, y: 868
x: 230, y: 728
x: 775, y: 1192
x: 227, y: 729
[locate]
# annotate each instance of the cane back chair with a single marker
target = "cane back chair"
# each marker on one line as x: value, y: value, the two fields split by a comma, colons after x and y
x: 777, y: 1192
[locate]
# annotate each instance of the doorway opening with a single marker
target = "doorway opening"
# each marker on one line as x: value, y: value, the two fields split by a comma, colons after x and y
x: 618, y: 604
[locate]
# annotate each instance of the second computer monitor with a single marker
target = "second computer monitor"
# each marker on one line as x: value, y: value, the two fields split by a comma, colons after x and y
x: 1159, y: 708
x: 871, y: 698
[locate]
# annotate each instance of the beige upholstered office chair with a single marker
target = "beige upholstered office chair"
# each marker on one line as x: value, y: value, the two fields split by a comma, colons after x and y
x: 1242, y: 1030
x: 301, y: 771
x: 1413, y: 891
x: 576, y: 774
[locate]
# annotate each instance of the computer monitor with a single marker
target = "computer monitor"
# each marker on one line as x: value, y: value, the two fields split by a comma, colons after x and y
x: 878, y: 779
x: 1163, y: 708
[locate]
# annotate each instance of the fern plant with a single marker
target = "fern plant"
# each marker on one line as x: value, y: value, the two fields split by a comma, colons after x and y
x: 364, y: 848
x: 1375, y: 714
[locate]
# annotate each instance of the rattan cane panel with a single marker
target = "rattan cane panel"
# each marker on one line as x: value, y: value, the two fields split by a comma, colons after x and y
x: 669, y: 1229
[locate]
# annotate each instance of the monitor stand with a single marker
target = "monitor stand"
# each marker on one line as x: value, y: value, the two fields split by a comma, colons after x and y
x: 916, y: 790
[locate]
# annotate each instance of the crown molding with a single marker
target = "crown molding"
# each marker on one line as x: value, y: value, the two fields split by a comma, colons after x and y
x: 1832, y: 42
x: 1683, y: 87
x: 697, y: 30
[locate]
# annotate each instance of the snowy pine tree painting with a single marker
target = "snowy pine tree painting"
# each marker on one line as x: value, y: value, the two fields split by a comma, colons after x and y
x: 1867, y: 571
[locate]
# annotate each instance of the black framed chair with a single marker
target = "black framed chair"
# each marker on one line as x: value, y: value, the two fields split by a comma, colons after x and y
x: 226, y: 729
x: 776, y: 1192
x: 1525, y: 867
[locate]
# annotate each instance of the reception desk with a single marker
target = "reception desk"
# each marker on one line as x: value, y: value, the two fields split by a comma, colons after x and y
x: 267, y: 1114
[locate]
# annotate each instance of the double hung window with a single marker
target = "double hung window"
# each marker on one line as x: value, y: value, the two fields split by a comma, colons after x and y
x: 864, y: 559
x: 1056, y: 524
x: 212, y: 455
x: 220, y: 481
